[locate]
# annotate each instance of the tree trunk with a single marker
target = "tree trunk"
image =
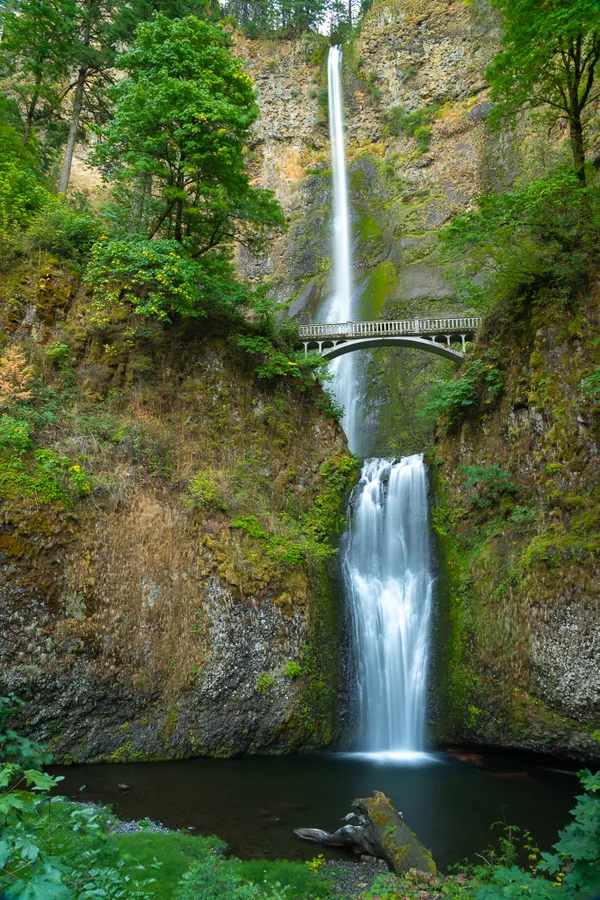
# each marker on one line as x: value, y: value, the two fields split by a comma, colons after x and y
x: 577, y: 146
x: 379, y: 831
x: 178, y: 234
x: 31, y: 108
x: 73, y: 129
x: 143, y: 186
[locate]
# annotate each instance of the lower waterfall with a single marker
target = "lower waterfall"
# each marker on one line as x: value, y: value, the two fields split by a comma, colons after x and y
x: 388, y: 580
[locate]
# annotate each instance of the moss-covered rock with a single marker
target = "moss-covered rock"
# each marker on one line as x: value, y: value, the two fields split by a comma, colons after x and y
x: 139, y: 611
x: 517, y: 636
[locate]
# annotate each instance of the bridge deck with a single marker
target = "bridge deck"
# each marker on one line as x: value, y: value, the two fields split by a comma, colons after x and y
x: 345, y: 330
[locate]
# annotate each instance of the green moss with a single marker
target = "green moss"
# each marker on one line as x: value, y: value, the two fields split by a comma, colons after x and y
x: 380, y: 283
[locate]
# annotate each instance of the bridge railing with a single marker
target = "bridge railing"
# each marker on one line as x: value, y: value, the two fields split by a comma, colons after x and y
x: 462, y: 325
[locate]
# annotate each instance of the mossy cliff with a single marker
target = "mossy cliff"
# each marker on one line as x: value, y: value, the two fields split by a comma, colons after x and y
x: 164, y: 586
x: 516, y: 511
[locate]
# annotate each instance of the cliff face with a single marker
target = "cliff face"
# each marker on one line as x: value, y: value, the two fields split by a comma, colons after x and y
x: 418, y: 151
x: 517, y: 514
x: 162, y: 593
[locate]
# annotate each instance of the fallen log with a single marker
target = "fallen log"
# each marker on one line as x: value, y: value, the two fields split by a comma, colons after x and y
x: 378, y: 830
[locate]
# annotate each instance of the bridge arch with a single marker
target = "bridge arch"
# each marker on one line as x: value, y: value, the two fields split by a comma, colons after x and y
x: 331, y: 340
x: 366, y: 343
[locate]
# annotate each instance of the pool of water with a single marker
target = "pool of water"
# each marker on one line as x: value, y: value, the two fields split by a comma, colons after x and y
x: 254, y: 803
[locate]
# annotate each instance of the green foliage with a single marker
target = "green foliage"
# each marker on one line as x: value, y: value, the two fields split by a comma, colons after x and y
x: 13, y: 747
x: 182, y: 120
x: 44, y: 477
x: 22, y: 192
x: 38, y: 43
x: 159, y: 280
x: 269, y: 17
x: 591, y: 385
x: 545, y: 229
x: 65, y: 228
x: 213, y: 879
x: 414, y: 124
x: 264, y: 683
x: 549, y: 56
x: 279, y: 362
x: 293, y: 669
x: 59, y: 353
x: 204, y: 492
x: 14, y: 435
x: 490, y: 483
x: 300, y: 884
x: 452, y: 399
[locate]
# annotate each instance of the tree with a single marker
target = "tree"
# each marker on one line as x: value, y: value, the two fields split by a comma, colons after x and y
x: 182, y: 119
x: 93, y: 51
x: 549, y: 58
x: 37, y: 43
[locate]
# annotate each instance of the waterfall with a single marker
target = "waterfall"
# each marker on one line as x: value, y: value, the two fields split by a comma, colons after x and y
x: 386, y: 559
x: 340, y: 305
x: 388, y: 581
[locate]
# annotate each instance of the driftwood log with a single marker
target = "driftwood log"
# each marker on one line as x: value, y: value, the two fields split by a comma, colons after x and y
x: 375, y: 828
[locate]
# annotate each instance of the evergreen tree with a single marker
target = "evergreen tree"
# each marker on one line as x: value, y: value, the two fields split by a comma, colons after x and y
x: 181, y: 122
x: 549, y: 58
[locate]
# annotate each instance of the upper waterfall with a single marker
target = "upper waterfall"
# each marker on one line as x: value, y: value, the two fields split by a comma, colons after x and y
x: 340, y: 306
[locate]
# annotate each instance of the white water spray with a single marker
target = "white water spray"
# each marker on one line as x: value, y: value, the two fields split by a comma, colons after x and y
x: 387, y: 555
x: 340, y: 305
x: 389, y: 584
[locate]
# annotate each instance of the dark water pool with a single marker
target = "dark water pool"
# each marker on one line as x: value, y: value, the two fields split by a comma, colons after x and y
x: 254, y: 803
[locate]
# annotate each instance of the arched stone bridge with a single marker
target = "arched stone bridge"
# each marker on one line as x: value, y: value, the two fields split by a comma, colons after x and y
x: 432, y: 335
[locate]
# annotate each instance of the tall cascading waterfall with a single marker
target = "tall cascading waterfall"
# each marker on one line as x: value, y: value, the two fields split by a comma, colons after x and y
x: 340, y: 307
x: 387, y: 554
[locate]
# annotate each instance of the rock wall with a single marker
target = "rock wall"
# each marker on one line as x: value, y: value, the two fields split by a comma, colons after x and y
x: 426, y: 57
x: 518, y: 639
x: 180, y: 606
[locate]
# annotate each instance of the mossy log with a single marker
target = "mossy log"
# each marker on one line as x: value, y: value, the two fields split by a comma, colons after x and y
x: 378, y: 830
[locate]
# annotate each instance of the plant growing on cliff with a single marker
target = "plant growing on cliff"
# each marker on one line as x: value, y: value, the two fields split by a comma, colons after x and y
x: 452, y: 399
x: 547, y: 228
x: 549, y: 58
x: 489, y: 484
x: 16, y: 378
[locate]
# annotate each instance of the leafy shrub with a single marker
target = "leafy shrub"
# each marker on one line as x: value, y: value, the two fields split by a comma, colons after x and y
x: 45, y: 478
x: 545, y: 229
x: 415, y: 124
x: 215, y: 879
x: 22, y: 192
x: 59, y: 353
x: 490, y: 483
x: 64, y: 228
x: 276, y: 362
x: 160, y: 280
x: 293, y: 669
x: 204, y: 492
x: 451, y: 399
x: 13, y: 747
x: 14, y: 435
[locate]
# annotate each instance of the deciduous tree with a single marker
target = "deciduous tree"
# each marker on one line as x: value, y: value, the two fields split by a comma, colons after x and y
x: 182, y: 119
x: 549, y: 57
